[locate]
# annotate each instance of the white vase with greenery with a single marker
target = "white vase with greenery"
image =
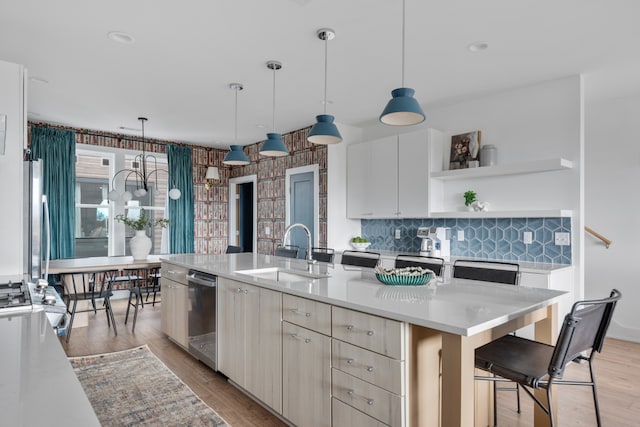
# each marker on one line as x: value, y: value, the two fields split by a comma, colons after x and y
x: 140, y: 244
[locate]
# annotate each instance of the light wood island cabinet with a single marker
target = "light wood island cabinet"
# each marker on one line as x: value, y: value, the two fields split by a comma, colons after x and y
x: 174, y: 310
x: 250, y: 339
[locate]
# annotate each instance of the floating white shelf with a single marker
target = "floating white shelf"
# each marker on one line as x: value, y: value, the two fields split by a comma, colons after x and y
x: 533, y: 166
x: 548, y: 213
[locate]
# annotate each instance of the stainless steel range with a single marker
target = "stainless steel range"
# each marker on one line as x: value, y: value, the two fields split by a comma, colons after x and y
x: 14, y: 296
x: 18, y: 296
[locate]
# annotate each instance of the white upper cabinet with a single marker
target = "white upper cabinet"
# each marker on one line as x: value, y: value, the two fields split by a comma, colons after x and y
x: 372, y: 177
x: 387, y: 177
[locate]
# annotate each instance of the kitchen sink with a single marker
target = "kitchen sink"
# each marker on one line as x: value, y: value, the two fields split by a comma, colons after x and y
x: 282, y: 275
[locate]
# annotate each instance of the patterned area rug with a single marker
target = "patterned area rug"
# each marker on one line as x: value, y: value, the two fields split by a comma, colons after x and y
x: 134, y: 388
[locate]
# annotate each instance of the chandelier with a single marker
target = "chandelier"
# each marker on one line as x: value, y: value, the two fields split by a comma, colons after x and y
x: 141, y: 172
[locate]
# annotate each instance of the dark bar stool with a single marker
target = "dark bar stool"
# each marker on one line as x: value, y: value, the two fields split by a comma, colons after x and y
x: 90, y: 286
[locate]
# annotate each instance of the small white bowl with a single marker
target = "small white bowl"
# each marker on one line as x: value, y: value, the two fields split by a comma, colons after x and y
x: 360, y: 246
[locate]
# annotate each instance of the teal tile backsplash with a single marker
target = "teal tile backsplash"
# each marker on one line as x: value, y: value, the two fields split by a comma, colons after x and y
x: 491, y: 238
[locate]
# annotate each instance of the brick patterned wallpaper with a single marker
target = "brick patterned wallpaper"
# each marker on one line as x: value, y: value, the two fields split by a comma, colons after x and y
x: 211, y: 206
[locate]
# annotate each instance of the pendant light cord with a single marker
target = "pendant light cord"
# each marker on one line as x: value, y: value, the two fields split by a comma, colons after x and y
x: 273, y: 122
x: 403, y: 36
x: 326, y: 44
x: 235, y: 130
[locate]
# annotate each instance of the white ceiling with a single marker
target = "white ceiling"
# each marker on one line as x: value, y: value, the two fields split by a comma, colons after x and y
x: 177, y: 73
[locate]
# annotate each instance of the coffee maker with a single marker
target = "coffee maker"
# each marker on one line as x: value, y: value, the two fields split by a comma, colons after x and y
x: 436, y: 241
x: 426, y: 246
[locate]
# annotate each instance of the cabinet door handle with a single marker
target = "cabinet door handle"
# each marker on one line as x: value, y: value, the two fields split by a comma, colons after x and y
x: 352, y: 393
x: 296, y: 311
x: 349, y: 328
x: 350, y: 361
x: 370, y: 333
x: 369, y: 368
x: 306, y: 340
x: 239, y: 290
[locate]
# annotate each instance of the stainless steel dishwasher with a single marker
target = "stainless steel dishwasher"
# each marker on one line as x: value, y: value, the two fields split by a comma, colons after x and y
x: 201, y: 327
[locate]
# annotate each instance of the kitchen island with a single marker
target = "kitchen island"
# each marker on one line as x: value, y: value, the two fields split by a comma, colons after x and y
x: 416, y: 323
x: 38, y: 382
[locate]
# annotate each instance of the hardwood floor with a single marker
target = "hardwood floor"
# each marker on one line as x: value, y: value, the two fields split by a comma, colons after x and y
x: 617, y: 375
x: 226, y: 400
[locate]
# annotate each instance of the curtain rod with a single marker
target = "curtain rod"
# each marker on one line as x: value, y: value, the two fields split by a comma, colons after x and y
x: 113, y: 135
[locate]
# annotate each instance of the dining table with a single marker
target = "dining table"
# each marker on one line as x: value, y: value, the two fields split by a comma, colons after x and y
x: 67, y: 267
x: 79, y: 265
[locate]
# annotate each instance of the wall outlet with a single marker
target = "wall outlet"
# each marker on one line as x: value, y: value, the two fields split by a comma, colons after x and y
x: 460, y: 235
x: 527, y: 237
x: 398, y: 233
x: 267, y: 231
x: 562, y: 239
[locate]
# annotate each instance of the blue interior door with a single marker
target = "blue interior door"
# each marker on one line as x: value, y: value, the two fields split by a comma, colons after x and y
x: 301, y: 209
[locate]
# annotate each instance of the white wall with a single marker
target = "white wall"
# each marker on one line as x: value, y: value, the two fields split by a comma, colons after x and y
x: 612, y: 206
x: 11, y: 104
x: 339, y: 228
x: 540, y: 121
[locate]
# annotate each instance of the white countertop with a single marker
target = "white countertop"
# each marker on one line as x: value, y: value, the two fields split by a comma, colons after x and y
x: 38, y: 386
x: 460, y: 307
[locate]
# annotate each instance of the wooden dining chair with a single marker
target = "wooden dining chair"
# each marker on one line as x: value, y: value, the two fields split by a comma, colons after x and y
x: 430, y: 263
x: 360, y: 259
x: 93, y: 287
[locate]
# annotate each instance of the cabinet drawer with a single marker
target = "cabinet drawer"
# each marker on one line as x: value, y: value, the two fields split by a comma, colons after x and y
x: 374, y: 401
x: 345, y: 415
x: 375, y: 333
x: 372, y: 367
x: 174, y: 272
x: 307, y: 313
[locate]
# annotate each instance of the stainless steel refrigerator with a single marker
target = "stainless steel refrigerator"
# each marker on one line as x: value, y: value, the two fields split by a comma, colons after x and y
x: 36, y: 222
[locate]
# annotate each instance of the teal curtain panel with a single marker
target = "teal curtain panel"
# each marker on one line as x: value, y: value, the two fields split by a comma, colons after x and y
x: 181, y: 210
x: 57, y: 149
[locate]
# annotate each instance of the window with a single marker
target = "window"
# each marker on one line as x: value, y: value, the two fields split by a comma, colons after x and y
x: 97, y: 233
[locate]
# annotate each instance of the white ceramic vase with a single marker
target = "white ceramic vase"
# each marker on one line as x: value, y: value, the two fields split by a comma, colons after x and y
x: 140, y: 245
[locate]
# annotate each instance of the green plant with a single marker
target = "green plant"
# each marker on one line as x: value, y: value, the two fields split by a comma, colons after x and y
x: 359, y: 239
x: 469, y: 197
x: 143, y: 221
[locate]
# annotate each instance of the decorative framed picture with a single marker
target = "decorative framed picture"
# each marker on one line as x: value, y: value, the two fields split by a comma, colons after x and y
x: 465, y: 150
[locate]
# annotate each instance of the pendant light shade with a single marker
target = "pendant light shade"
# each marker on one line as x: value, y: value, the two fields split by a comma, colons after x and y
x: 403, y: 109
x: 325, y: 131
x: 235, y: 156
x: 273, y: 146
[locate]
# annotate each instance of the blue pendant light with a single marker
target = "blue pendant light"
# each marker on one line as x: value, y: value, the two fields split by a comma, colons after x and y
x: 325, y: 131
x: 235, y: 156
x: 403, y: 109
x: 273, y: 146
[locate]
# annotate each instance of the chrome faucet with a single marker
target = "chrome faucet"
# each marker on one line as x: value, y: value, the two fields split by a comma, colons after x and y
x: 309, y: 258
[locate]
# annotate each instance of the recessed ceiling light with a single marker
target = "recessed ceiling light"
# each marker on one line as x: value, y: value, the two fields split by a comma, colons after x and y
x: 120, y: 37
x: 38, y: 79
x: 478, y: 46
x: 260, y: 126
